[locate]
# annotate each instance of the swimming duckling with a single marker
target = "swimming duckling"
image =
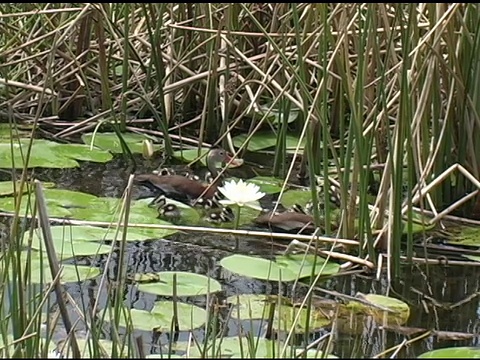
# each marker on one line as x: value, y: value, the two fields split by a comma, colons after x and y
x: 167, y: 211
x: 225, y: 215
x: 164, y: 172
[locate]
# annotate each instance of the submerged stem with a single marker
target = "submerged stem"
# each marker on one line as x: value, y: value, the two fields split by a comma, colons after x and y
x: 237, y: 221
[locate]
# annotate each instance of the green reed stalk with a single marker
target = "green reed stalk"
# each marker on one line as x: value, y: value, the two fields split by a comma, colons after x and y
x: 153, y: 15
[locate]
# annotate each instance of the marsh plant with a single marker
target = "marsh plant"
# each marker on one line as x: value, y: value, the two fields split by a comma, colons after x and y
x: 378, y: 100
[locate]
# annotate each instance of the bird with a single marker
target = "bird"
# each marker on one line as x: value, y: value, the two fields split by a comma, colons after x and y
x: 225, y: 215
x: 287, y: 220
x: 165, y: 210
x: 183, y: 188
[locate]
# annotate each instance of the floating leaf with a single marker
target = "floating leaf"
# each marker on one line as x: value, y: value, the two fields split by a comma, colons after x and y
x: 264, y: 140
x: 465, y: 235
x: 267, y: 184
x: 80, y: 234
x: 83, y: 152
x: 6, y: 187
x: 240, y: 348
x: 160, y: 318
x: 77, y: 205
x: 188, y: 284
x: 17, y: 132
x: 300, y: 197
x: 39, y: 271
x: 275, y: 116
x: 48, y: 154
x: 190, y: 155
x: 460, y: 352
x: 109, y: 141
x: 285, y: 268
x: 253, y: 306
x: 396, y: 311
x: 102, y: 346
x: 67, y: 248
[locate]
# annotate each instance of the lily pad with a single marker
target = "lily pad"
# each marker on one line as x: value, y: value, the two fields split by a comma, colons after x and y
x: 465, y: 235
x: 103, y: 346
x: 83, y: 152
x: 394, y: 310
x: 188, y: 284
x: 109, y: 141
x: 190, y: 155
x: 275, y: 116
x: 264, y: 140
x: 460, y: 352
x: 285, y: 268
x: 48, y: 154
x: 81, y: 206
x: 6, y: 187
x: 297, y: 196
x: 252, y: 306
x: 80, y: 240
x: 242, y: 347
x: 39, y: 271
x: 18, y: 132
x: 267, y: 184
x: 160, y: 318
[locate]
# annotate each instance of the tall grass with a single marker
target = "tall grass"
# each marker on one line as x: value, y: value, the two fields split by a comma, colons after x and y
x: 387, y: 94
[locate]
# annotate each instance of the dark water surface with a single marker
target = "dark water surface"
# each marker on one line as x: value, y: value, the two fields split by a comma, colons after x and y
x: 419, y: 286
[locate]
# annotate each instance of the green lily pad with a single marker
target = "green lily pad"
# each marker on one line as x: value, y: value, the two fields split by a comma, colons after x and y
x: 465, y: 235
x: 264, y: 140
x: 89, y: 233
x: 67, y: 248
x: 297, y: 196
x: 160, y: 318
x: 109, y: 141
x: 190, y: 155
x: 188, y: 284
x: 81, y: 206
x: 285, y: 268
x: 460, y: 352
x: 267, y: 184
x: 17, y: 132
x: 240, y: 348
x: 253, y: 306
x: 83, y: 152
x: 275, y: 116
x: 398, y: 311
x: 6, y: 187
x: 103, y: 346
x: 39, y: 271
x: 48, y: 154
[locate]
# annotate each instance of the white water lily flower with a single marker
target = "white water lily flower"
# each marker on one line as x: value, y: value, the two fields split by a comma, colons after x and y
x: 241, y: 193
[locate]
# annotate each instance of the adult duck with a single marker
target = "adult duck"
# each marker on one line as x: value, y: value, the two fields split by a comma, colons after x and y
x: 184, y: 188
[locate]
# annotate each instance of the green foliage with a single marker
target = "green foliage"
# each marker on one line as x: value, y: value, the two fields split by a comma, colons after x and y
x: 284, y: 268
x: 110, y: 141
x: 48, y: 154
x: 187, y: 284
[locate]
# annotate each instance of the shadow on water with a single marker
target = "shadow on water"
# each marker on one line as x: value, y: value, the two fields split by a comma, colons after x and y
x: 441, y: 297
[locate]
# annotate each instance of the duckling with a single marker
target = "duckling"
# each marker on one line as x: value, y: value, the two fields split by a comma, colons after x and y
x: 225, y: 215
x: 164, y: 172
x: 168, y: 211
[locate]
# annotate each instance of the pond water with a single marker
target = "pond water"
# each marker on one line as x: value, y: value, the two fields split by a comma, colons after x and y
x: 441, y: 297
